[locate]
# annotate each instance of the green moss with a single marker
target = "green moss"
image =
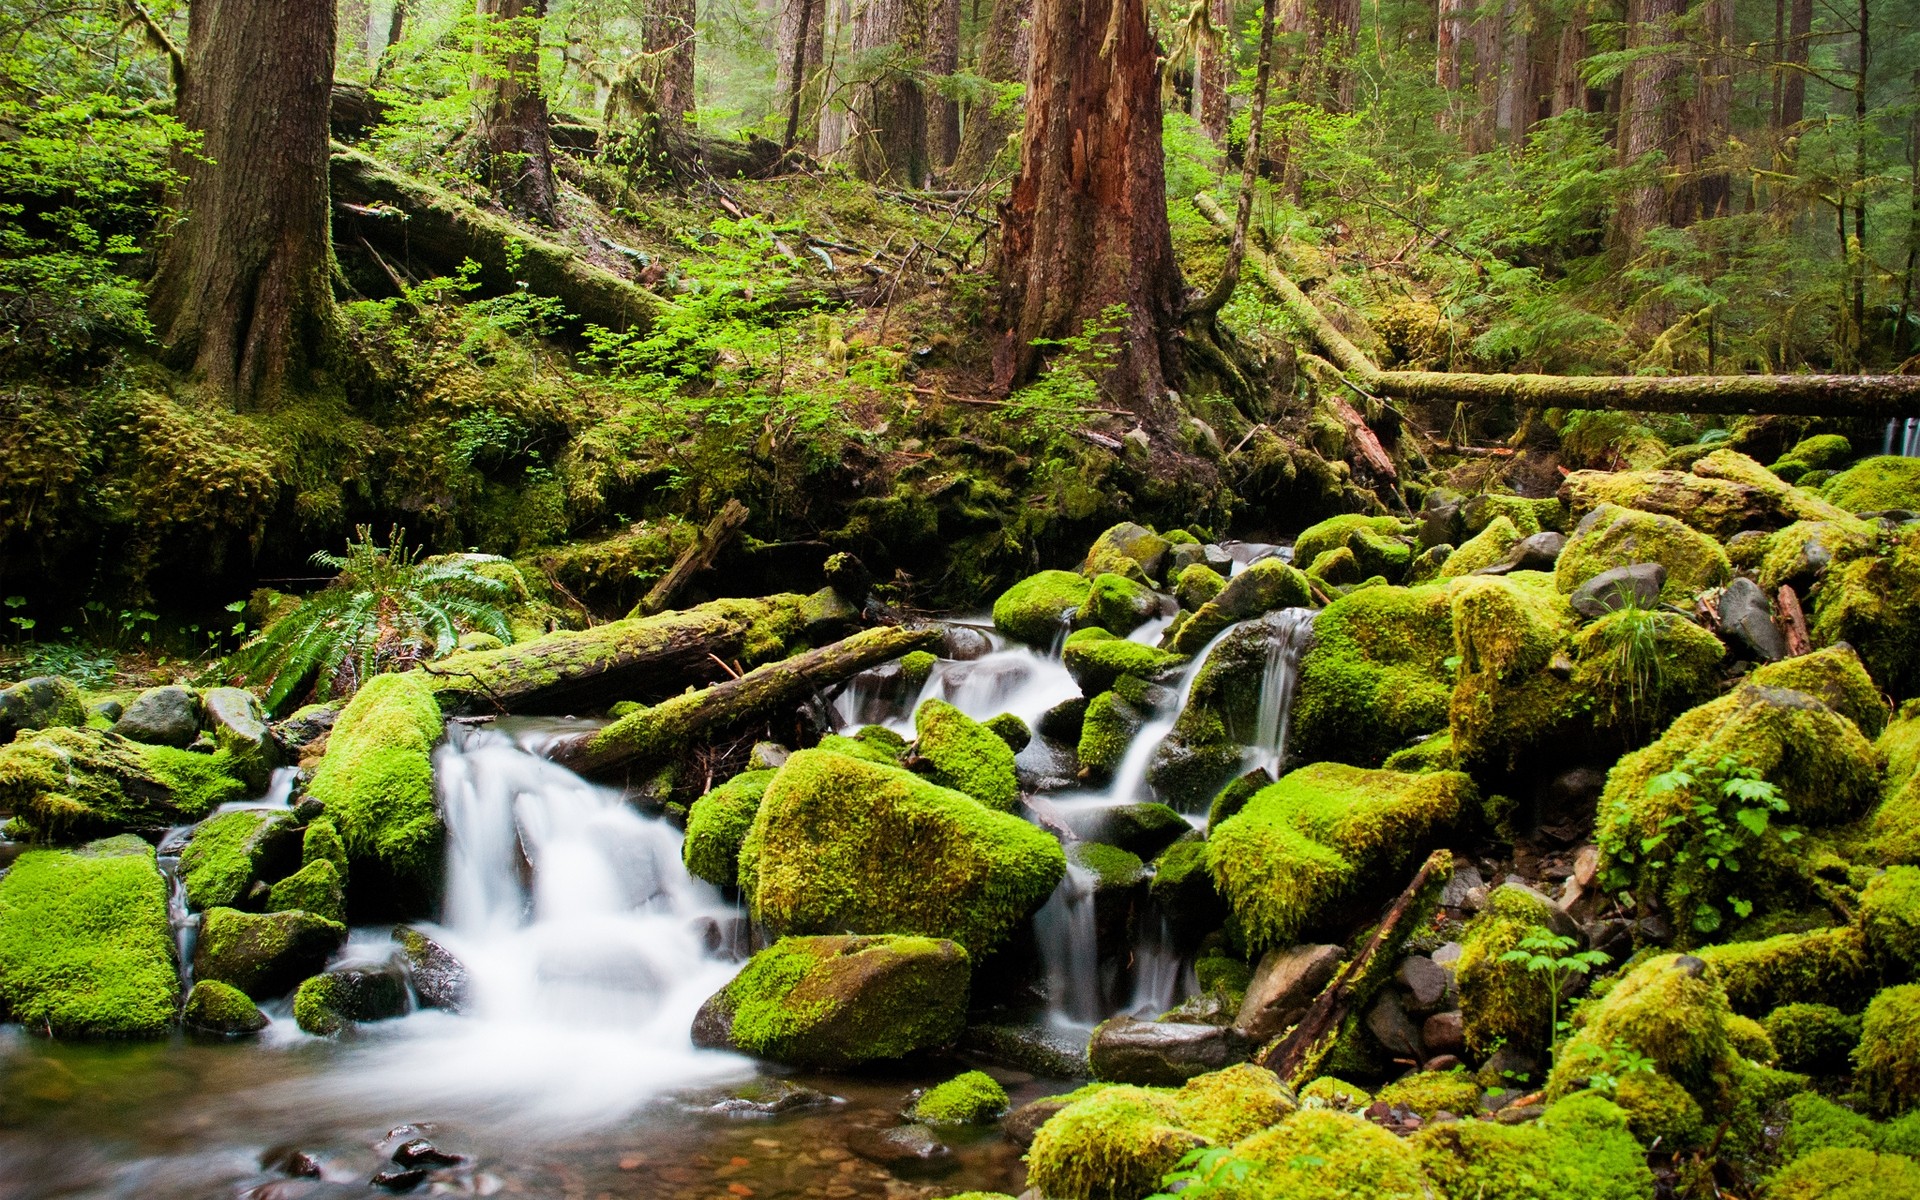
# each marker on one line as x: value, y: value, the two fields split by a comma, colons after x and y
x: 1197, y: 584
x: 1887, y: 1061
x: 1335, y: 569
x: 1483, y: 549
x: 1429, y: 1092
x: 1127, y: 549
x: 1819, y: 452
x: 1263, y: 587
x: 1890, y: 915
x: 1844, y: 1174
x: 1379, y: 545
x: 1817, y: 1123
x: 1105, y: 733
x: 1805, y: 550
x: 1118, y: 604
x: 85, y: 946
x: 315, y: 888
x: 840, y: 844
x: 1896, y: 822
x: 1873, y: 604
x: 1116, y: 868
x: 73, y: 783
x: 316, y: 1006
x: 228, y: 852
x: 1328, y: 1092
x: 1767, y: 489
x: 1428, y: 754
x: 1877, y: 485
x: 974, y: 1098
x: 1827, y: 965
x: 215, y: 1007
x: 1816, y: 1039
x: 377, y: 777
x: 1376, y: 676
x: 1036, y: 610
x: 1509, y: 699
x: 1319, y: 1154
x: 1582, y: 1149
x: 1749, y: 1039
x: 1618, y: 537
x: 1667, y: 1009
x: 965, y: 755
x: 44, y: 702
x: 1636, y: 668
x: 916, y: 666
x: 867, y: 749
x: 322, y: 841
x: 1658, y: 1108
x: 1503, y: 1003
x: 1310, y: 841
x: 1009, y: 729
x: 1225, y: 1106
x: 264, y: 955
x: 1096, y: 660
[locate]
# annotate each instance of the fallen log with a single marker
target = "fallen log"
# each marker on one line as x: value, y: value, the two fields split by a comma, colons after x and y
x: 654, y: 735
x: 636, y: 659
x: 696, y: 558
x: 414, y: 219
x: 1876, y: 396
x: 1296, y: 1056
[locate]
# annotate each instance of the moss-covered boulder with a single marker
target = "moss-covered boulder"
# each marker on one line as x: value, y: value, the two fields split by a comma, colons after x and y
x: 1582, y: 1148
x: 1887, y: 1061
x: 971, y: 1098
x: 1830, y: 965
x: 1208, y: 741
x: 347, y: 995
x: 1196, y: 585
x: 1723, y: 493
x: 1483, y: 549
x: 1804, y: 552
x: 837, y: 1002
x: 1097, y: 659
x: 1264, y: 587
x: 1845, y: 1173
x: 1118, y: 604
x: 1821, y: 452
x: 322, y: 841
x: 1611, y: 536
x: 844, y: 845
x: 1511, y: 696
x: 1127, y: 549
x: 1038, y: 609
x: 85, y: 947
x: 717, y: 824
x: 219, y: 1008
x: 162, y: 716
x: 1319, y: 836
x: 1379, y: 545
x: 230, y: 852
x: 1425, y: 1093
x: 76, y: 783
x: 1877, y: 485
x: 264, y: 955
x: 1319, y: 1154
x: 315, y: 888
x: 1668, y: 1009
x: 377, y: 781
x: 238, y: 727
x: 1836, y: 677
x: 1183, y: 890
x: 1816, y: 1039
x: 1636, y: 668
x: 1502, y: 1002
x: 43, y: 702
x: 1890, y: 917
x: 960, y: 753
x: 1376, y: 676
x: 1873, y: 604
x: 1106, y: 730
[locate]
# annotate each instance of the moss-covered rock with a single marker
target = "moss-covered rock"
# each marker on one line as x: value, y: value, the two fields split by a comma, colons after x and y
x: 1835, y: 676
x: 1379, y: 545
x: 377, y: 779
x: 1803, y: 552
x: 1328, y: 1092
x: 1873, y: 604
x: 1717, y: 507
x: 841, y: 1001
x: 1815, y: 1039
x: 1263, y: 587
x: 1658, y: 1109
x: 1196, y: 585
x: 1206, y: 745
x: 1822, y: 451
x: 1895, y: 827
x: 1877, y: 484
x: 1581, y: 1149
x: 1320, y: 1154
x: 1430, y: 1092
x: 965, y: 755
x: 1016, y: 733
x: 840, y: 844
x: 1637, y: 668
x: 1038, y: 609
x: 74, y: 783
x: 1612, y: 537
x: 916, y: 667
x: 1376, y: 676
x: 1183, y: 890
x: 322, y: 841
x: 1890, y: 916
x: 238, y: 727
x: 717, y: 824
x: 1335, y: 570
x: 1118, y: 604
x: 330, y: 1002
x: 1315, y: 838
x: 972, y: 1098
x: 43, y: 702
x: 1503, y: 1003
x: 1529, y: 516
x: 1105, y: 733
x: 1508, y: 699
x: 1127, y: 549
x: 1887, y: 1061
x: 264, y: 955
x: 1828, y: 965
x: 1669, y: 1009
x: 215, y: 1007
x: 1817, y: 1123
x: 1845, y: 1174
x: 1096, y: 659
x: 315, y: 888
x: 230, y: 852
x: 85, y: 946
x: 1483, y: 549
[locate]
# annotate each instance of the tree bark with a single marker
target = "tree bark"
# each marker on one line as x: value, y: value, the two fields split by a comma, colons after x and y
x: 668, y: 31
x: 1004, y: 52
x: 1514, y: 115
x: 1793, y: 80
x: 1569, y: 91
x: 243, y: 297
x: 514, y: 125
x: 887, y: 118
x: 833, y: 116
x: 943, y: 58
x: 1446, y: 47
x: 1215, y: 74
x: 1085, y: 228
x: 800, y: 42
x: 718, y: 534
x: 1649, y: 115
x: 1707, y: 121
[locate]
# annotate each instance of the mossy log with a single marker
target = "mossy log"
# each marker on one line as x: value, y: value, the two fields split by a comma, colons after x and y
x: 654, y: 734
x: 718, y: 534
x: 1876, y: 396
x: 431, y: 223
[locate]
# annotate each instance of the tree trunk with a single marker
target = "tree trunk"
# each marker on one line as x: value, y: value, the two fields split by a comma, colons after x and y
x: 1446, y: 54
x: 1003, y: 59
x: 800, y: 42
x: 1215, y: 75
x: 668, y: 31
x: 833, y: 116
x: 514, y: 127
x: 1515, y: 111
x: 1249, y: 172
x: 1486, y: 40
x: 1335, y: 32
x: 1569, y: 91
x: 943, y: 58
x: 1649, y: 115
x: 887, y: 133
x: 1793, y: 81
x: 1085, y: 228
x: 1707, y: 121
x: 716, y: 537
x: 243, y: 297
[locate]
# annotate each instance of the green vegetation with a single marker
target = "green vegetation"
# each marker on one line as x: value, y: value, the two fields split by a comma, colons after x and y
x: 717, y: 824
x: 377, y: 777
x: 1888, y: 1058
x: 228, y: 853
x: 1612, y: 537
x: 965, y: 755
x: 73, y: 783
x: 1376, y: 676
x: 973, y: 1098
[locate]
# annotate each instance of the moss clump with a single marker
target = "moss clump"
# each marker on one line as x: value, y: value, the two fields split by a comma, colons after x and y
x: 1845, y: 1174
x: 1877, y: 484
x: 974, y: 1098
x: 315, y: 888
x: 1105, y: 732
x: 74, y: 783
x: 1749, y: 1039
x: 1582, y: 1149
x: 1887, y: 1061
x: 1659, y: 1108
x: 1483, y: 549
x: 840, y: 1001
x: 1896, y: 822
x: 316, y: 1007
x: 44, y: 702
x: 85, y: 946
x: 1335, y: 569
x: 1822, y: 451
x: 1319, y: 1154
x: 1263, y: 587
x: 868, y: 749
x: 1509, y: 700
x: 264, y: 955
x: 1197, y: 584
x: 1430, y: 1092
x: 1115, y: 868
x: 214, y: 1007
x: 322, y: 841
x: 1503, y: 1002
x: 840, y: 844
x: 1873, y: 604
x: 1009, y: 729
x: 1306, y: 843
x: 1836, y: 677
x: 965, y: 755
x: 1827, y: 965
x: 718, y: 823
x: 1816, y: 1039
x: 1890, y: 915
x: 1118, y: 604
x: 1805, y: 550
x: 1338, y: 1094
x: 229, y: 851
x: 377, y: 777
x: 1612, y: 537
x: 1817, y: 1123
x: 1669, y: 1009
x: 1127, y: 549
x: 1637, y: 668
x: 1379, y: 545
x: 916, y: 666
x: 1096, y: 660
x: 1376, y: 676
x: 1037, y: 609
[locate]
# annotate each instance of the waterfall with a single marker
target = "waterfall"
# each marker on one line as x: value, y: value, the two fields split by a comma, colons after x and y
x: 1159, y: 969
x: 1065, y: 929
x: 1292, y: 634
x: 1903, y: 437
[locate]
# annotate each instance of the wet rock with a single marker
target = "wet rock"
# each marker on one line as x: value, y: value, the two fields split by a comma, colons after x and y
x: 1441, y: 522
x: 1564, y: 808
x: 1536, y: 553
x: 264, y: 955
x: 1127, y: 1050
x: 305, y: 1189
x: 43, y: 702
x: 1184, y: 891
x: 438, y: 977
x: 1638, y: 584
x: 769, y: 1097
x: 1041, y: 1049
x: 238, y: 726
x: 1444, y: 1033
x: 399, y: 1179
x: 1425, y: 982
x: 1509, y: 1067
x: 964, y: 643
x: 1747, y: 620
x: 291, y: 1161
x: 1022, y: 1123
x: 1284, y: 984
x: 344, y: 995
x: 308, y: 810
x: 1653, y: 930
x: 419, y: 1152
x: 1465, y: 878
x: 767, y: 756
x: 849, y: 576
x: 161, y: 716
x: 904, y: 1149
x: 1207, y: 1008
x: 1388, y: 1022
x: 1063, y: 721
x: 1142, y: 829
x: 1611, y: 936
x: 1184, y: 555
x: 230, y: 852
x: 307, y: 726
x: 1447, y: 954
x: 221, y: 1009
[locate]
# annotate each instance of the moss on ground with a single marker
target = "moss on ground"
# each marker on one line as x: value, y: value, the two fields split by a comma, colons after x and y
x: 1320, y: 1154
x: 1837, y: 678
x: 1668, y: 1009
x: 717, y: 824
x: 1887, y: 1061
x: 1637, y: 668
x: 1503, y: 1003
x: 1583, y: 1148
x: 1483, y: 549
x: 377, y: 777
x: 1815, y: 1039
x: 965, y: 755
x: 1612, y: 537
x: 1328, y: 1092
x: 1845, y: 1174
x: 72, y: 783
x: 1895, y: 827
x: 1430, y: 1092
x: 1890, y: 916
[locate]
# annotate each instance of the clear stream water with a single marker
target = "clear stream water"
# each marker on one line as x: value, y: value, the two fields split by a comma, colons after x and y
x: 570, y: 1072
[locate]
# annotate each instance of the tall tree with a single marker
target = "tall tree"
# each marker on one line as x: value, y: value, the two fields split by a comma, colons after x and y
x: 1706, y: 122
x: 1449, y: 16
x: 1213, y: 73
x: 667, y: 32
x: 1568, y: 91
x: 1222, y: 291
x: 943, y: 58
x: 243, y: 297
x: 800, y: 41
x: 514, y: 124
x: 1004, y: 51
x: 1649, y: 113
x: 1085, y: 229
x: 1791, y: 93
x: 887, y: 138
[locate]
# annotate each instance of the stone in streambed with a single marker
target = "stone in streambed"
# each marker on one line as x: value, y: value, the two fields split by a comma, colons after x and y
x: 239, y: 727
x: 43, y: 702
x: 1747, y: 620
x: 1150, y: 1053
x: 230, y: 852
x: 343, y: 996
x: 218, y: 1008
x: 162, y: 716
x: 1284, y: 983
x: 904, y: 1149
x: 1143, y: 828
x: 264, y: 955
x: 438, y: 978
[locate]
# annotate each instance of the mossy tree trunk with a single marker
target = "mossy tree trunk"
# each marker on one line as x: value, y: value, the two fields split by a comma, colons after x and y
x: 243, y: 297
x: 514, y: 127
x: 943, y: 58
x: 1649, y: 114
x: 887, y: 133
x: 1003, y: 59
x: 667, y: 32
x: 1084, y: 234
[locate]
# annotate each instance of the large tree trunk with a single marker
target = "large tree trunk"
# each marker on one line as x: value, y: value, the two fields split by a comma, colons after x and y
x: 1514, y: 114
x: 800, y: 42
x: 668, y: 31
x: 1085, y: 228
x: 887, y: 135
x: 244, y: 296
x: 1706, y: 122
x: 1793, y: 79
x: 514, y: 126
x: 943, y: 58
x: 1649, y: 115
x: 1448, y: 18
x: 1568, y: 90
x: 1215, y: 74
x: 1004, y: 52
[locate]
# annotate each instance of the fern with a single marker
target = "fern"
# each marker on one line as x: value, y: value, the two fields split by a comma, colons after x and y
x: 384, y: 611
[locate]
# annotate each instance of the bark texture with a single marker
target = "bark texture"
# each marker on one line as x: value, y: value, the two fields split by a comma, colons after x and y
x: 1215, y: 75
x: 1792, y: 107
x: 887, y: 119
x: 667, y: 31
x: 1004, y: 52
x: 514, y: 126
x: 1649, y: 114
x: 243, y: 296
x: 1085, y: 227
x: 800, y: 40
x: 943, y: 58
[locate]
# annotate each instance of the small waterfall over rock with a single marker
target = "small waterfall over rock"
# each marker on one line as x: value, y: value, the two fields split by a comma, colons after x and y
x: 1292, y: 634
x: 1065, y: 928
x: 1903, y: 437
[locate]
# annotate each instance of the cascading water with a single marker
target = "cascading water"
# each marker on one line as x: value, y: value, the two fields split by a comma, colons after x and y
x: 1292, y: 633
x: 1069, y: 951
x: 1903, y: 437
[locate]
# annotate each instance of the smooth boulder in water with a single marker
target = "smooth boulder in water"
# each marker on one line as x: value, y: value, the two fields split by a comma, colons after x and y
x: 264, y: 955
x: 1156, y: 1054
x: 329, y: 1002
x: 229, y: 853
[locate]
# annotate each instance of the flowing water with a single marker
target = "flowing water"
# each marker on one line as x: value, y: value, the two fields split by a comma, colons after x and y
x: 1903, y: 437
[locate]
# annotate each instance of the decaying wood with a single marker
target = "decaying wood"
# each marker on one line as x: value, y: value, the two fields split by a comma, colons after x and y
x: 1366, y: 443
x: 1352, y: 986
x: 652, y: 736
x: 1876, y: 396
x: 696, y: 558
x: 1793, y: 622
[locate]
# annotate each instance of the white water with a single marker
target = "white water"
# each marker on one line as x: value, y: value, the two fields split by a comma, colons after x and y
x: 1903, y: 437
x: 1274, y: 716
x: 1065, y: 929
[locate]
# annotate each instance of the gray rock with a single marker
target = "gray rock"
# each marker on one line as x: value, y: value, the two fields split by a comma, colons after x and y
x: 237, y: 725
x: 1186, y: 554
x: 162, y: 716
x: 438, y: 978
x: 43, y: 702
x: 1042, y: 1049
x: 1426, y: 983
x: 1441, y: 522
x: 1448, y: 954
x: 107, y: 710
x: 1022, y: 1123
x: 1444, y: 1033
x: 1638, y: 584
x: 1217, y: 558
x: 1284, y: 984
x: 367, y: 993
x: 770, y: 1097
x: 1126, y: 1050
x: 964, y: 643
x: 908, y: 1147
x: 1535, y: 553
x: 1747, y: 620
x: 767, y: 756
x: 1466, y: 877
x: 1509, y: 1067
x: 1390, y: 1025
x: 307, y: 726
